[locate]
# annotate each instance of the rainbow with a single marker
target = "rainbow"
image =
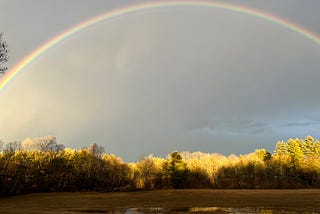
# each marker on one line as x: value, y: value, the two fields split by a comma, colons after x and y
x: 148, y: 6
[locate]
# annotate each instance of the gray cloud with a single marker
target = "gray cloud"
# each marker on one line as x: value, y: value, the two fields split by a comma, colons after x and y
x: 302, y: 124
x: 193, y: 79
x: 231, y: 126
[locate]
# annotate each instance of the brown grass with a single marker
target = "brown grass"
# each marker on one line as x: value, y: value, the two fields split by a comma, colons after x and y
x: 86, y: 202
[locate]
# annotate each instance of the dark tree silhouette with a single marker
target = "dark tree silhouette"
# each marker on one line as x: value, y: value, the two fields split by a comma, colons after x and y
x: 3, y: 55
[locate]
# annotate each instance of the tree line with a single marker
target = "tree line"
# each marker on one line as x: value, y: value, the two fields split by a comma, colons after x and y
x: 43, y: 165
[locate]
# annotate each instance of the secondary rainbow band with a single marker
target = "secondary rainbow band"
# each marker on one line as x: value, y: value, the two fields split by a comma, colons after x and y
x: 147, y: 6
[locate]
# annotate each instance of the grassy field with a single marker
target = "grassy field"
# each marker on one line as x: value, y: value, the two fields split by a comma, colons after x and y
x: 93, y: 202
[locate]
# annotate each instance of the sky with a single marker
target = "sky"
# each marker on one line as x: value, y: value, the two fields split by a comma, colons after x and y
x: 186, y: 78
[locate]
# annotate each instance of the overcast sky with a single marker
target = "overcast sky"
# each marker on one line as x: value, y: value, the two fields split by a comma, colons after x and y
x: 194, y: 79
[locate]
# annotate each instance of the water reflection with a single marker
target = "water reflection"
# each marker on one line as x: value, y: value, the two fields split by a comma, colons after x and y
x: 208, y: 210
x: 205, y: 210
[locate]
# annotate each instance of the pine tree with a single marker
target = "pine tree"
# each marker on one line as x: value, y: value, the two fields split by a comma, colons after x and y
x: 175, y: 171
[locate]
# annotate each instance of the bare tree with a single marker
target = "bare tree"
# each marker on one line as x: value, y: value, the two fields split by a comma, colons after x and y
x: 12, y: 147
x: 42, y: 144
x: 3, y: 55
x: 96, y: 150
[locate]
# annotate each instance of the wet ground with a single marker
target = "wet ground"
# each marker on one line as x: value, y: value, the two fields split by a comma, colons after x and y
x: 204, y: 210
x: 166, y: 201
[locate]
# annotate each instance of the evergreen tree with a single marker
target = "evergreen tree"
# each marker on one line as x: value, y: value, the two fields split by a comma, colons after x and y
x: 175, y: 171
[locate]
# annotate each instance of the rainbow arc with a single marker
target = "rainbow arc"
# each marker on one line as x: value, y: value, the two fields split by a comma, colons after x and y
x: 148, y: 6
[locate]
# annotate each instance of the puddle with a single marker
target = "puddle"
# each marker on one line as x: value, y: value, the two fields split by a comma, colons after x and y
x: 179, y: 210
x: 205, y: 210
